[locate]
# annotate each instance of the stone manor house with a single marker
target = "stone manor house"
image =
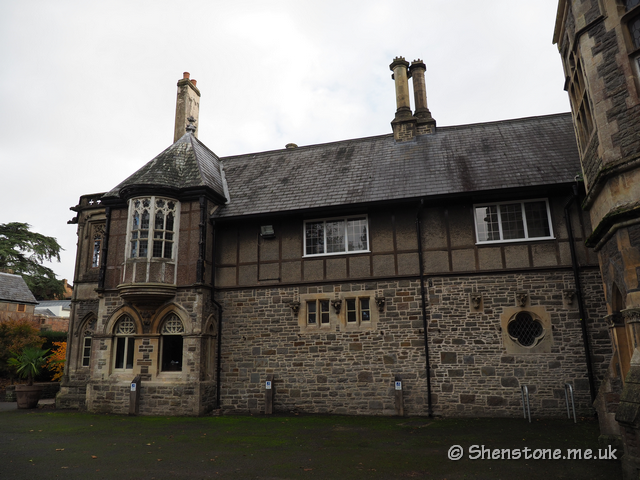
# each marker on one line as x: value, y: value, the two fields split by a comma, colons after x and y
x: 451, y: 259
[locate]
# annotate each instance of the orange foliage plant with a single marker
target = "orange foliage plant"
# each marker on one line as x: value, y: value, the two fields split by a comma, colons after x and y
x: 55, y: 361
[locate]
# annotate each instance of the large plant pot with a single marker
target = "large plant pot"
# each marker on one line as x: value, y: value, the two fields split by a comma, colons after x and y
x: 28, y: 396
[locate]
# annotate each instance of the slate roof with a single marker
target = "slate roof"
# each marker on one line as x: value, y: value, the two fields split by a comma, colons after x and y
x: 14, y: 289
x: 469, y: 158
x: 187, y: 164
x: 65, y: 304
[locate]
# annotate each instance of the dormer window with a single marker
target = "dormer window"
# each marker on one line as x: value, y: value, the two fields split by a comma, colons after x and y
x: 152, y: 227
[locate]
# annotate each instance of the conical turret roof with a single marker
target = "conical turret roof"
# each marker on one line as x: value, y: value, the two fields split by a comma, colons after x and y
x: 187, y: 165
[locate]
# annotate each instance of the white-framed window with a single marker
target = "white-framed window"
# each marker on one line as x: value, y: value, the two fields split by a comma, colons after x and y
x: 152, y: 227
x: 86, y: 351
x: 172, y: 344
x: 333, y: 236
x: 318, y: 312
x: 513, y: 221
x: 358, y: 310
x: 124, y: 343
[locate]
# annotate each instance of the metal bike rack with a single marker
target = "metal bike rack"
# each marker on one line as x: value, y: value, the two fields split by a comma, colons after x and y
x: 526, y: 407
x: 568, y: 390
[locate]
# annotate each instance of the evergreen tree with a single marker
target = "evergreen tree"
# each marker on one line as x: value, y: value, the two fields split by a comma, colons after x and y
x: 22, y: 252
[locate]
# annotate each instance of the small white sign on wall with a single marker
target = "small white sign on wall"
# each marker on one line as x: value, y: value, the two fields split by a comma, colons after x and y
x: 133, y: 387
x: 268, y: 385
x: 398, y: 385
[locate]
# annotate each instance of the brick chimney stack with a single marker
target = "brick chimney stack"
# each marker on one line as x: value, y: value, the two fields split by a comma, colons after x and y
x: 426, y: 123
x: 187, y: 105
x: 404, y: 123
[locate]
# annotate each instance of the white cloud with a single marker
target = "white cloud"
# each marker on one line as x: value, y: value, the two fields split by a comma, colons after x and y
x: 87, y: 89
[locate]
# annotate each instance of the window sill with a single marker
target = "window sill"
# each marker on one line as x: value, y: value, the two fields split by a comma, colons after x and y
x: 518, y: 240
x: 334, y: 254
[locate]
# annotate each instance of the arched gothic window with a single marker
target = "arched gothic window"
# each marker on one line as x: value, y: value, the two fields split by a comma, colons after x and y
x: 124, y: 343
x: 172, y: 331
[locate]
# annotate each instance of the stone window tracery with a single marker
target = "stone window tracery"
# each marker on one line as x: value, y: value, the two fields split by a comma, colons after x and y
x: 152, y: 227
x: 124, y: 343
x: 172, y: 343
x: 524, y: 330
x: 98, y: 237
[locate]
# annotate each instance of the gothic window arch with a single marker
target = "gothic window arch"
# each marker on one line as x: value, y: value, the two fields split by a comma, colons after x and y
x: 171, y: 339
x: 87, y: 331
x: 124, y: 331
x: 97, y: 239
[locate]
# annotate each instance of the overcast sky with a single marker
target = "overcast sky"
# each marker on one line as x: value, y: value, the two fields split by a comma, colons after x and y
x: 88, y: 89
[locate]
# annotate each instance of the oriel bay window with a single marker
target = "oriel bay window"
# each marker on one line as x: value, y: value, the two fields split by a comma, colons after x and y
x: 513, y: 221
x: 336, y: 235
x: 152, y: 227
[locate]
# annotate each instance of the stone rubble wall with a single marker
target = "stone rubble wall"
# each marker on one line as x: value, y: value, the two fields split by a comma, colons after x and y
x: 353, y: 372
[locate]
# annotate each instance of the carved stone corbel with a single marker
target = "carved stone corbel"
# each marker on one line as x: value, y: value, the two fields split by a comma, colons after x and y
x: 476, y: 301
x: 614, y: 320
x: 568, y: 295
x: 631, y: 315
x: 337, y: 305
x: 295, y: 307
x: 521, y: 299
x: 380, y: 302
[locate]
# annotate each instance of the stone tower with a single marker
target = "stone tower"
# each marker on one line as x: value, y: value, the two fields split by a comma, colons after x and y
x: 599, y: 42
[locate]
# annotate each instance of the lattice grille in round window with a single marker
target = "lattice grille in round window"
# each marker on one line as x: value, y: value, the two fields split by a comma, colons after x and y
x: 172, y: 325
x: 126, y: 326
x: 525, y: 330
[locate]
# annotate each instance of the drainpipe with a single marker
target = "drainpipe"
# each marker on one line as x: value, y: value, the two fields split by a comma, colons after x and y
x: 576, y: 276
x: 424, y: 307
x: 213, y: 299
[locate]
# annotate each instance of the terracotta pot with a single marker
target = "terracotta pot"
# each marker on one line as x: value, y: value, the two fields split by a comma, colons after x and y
x: 28, y: 396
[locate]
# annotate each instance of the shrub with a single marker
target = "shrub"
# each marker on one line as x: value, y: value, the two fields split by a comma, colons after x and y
x: 15, y: 336
x: 55, y: 361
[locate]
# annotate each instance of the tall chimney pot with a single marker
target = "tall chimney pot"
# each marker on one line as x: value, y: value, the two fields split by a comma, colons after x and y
x: 426, y: 123
x: 404, y: 124
x: 187, y: 105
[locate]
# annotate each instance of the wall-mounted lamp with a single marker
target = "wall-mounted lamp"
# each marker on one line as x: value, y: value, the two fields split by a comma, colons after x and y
x: 266, y: 231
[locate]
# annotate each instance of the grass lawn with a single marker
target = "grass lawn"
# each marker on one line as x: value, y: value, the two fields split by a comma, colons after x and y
x: 48, y: 444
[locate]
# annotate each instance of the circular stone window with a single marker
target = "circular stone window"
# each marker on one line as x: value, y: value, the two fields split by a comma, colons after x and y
x: 525, y: 330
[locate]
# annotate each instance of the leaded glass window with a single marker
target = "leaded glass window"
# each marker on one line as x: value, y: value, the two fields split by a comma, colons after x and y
x: 98, y: 236
x: 634, y: 31
x: 341, y: 235
x: 513, y: 221
x: 525, y: 330
x: 157, y: 234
